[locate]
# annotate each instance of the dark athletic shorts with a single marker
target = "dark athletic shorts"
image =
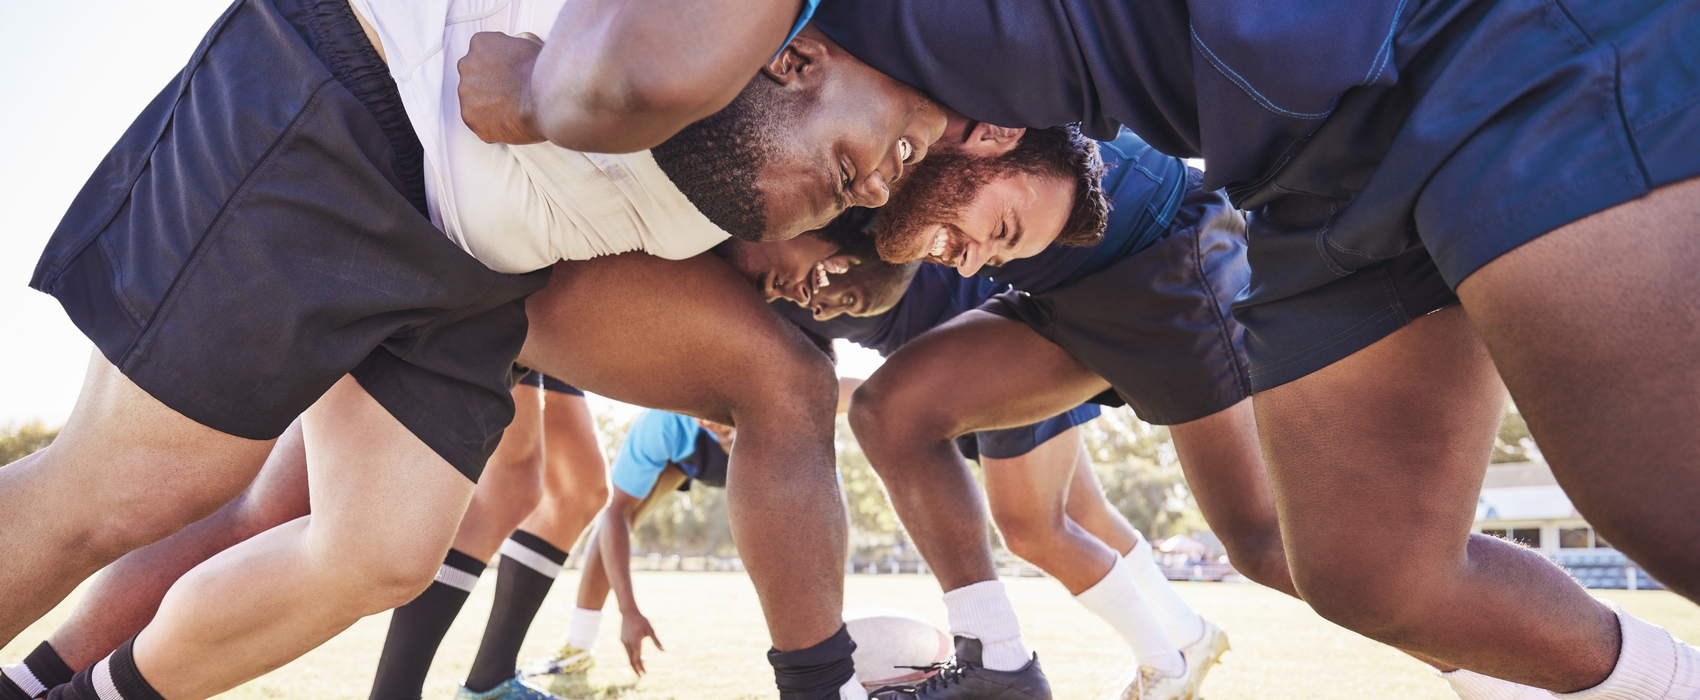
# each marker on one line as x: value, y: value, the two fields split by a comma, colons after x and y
x: 546, y: 382
x: 1010, y: 443
x: 1157, y: 324
x: 707, y: 464
x: 1510, y: 119
x: 260, y: 231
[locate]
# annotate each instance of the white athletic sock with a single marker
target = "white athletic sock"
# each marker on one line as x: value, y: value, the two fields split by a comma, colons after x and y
x: 852, y: 690
x: 582, y: 628
x: 1117, y: 600
x: 1650, y: 664
x: 1183, y: 623
x: 1470, y: 685
x: 983, y: 611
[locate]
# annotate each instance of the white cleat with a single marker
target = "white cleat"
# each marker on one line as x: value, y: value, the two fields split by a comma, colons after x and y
x: 1143, y: 683
x: 1201, y: 655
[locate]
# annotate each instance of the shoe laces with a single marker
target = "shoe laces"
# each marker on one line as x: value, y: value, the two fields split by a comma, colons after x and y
x: 944, y: 675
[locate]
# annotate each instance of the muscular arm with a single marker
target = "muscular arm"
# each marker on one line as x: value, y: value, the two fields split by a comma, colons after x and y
x: 620, y: 76
x: 614, y: 540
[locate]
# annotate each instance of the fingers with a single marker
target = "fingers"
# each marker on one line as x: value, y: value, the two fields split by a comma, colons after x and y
x: 634, y: 655
x: 657, y: 641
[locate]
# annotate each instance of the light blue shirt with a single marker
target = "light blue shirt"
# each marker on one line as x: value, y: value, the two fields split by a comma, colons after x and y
x: 656, y: 439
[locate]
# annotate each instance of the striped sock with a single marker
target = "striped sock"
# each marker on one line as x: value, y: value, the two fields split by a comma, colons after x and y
x: 39, y: 672
x: 418, y: 628
x: 113, y: 678
x: 528, y: 569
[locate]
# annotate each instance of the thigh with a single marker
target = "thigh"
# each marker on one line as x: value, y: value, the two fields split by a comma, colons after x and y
x: 1034, y: 485
x: 1594, y: 327
x: 1224, y: 469
x: 687, y: 336
x: 980, y: 371
x: 575, y: 459
x: 375, y: 487
x: 1377, y: 460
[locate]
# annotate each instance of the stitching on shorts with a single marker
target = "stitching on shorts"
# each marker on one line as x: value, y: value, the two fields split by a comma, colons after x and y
x: 1381, y: 62
x: 1241, y: 372
x: 1629, y: 128
x: 1574, y: 27
x: 220, y: 221
x: 1245, y: 85
x: 183, y: 78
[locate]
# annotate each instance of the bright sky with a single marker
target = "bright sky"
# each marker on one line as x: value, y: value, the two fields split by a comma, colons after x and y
x: 77, y: 74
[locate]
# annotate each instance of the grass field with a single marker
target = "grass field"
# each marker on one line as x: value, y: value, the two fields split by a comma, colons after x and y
x: 713, y: 630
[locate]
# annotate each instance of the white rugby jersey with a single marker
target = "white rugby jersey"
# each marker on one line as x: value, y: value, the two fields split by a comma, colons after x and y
x: 521, y: 208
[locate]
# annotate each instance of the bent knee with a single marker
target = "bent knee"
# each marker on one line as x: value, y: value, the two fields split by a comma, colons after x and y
x: 375, y: 582
x: 1259, y: 556
x: 1028, y: 535
x: 1383, y: 605
x: 880, y: 412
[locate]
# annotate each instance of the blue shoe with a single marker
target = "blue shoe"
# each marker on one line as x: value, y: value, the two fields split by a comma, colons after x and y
x: 510, y: 689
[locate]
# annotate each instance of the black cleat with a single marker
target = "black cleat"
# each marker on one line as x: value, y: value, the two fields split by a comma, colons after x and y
x: 963, y: 678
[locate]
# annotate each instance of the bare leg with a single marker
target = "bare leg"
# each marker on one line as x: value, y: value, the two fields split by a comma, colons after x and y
x: 907, y: 413
x: 1224, y: 468
x: 575, y: 478
x: 1376, y: 463
x: 124, y: 473
x: 512, y: 482
x: 1595, y: 329
x: 1088, y: 507
x: 385, y: 508
x: 691, y: 336
x: 125, y: 595
x: 1029, y: 496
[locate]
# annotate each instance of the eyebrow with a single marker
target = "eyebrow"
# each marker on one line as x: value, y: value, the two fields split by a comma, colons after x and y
x: 1020, y: 229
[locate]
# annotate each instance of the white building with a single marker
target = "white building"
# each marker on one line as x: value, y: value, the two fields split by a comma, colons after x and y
x: 1522, y: 502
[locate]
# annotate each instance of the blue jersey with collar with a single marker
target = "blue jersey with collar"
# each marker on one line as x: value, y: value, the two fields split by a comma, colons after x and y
x: 1240, y: 83
x: 656, y: 439
x: 1145, y: 189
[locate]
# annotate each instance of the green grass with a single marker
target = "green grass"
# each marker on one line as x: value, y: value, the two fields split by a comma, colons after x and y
x: 713, y: 629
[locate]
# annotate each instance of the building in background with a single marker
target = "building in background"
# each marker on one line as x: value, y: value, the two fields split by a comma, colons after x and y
x: 1522, y: 502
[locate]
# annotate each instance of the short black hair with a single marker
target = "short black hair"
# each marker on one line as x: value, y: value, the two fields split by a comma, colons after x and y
x: 716, y: 161
x: 853, y: 233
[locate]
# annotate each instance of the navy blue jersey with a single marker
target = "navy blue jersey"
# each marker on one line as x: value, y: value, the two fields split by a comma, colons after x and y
x: 936, y: 294
x: 1145, y: 189
x: 1237, y: 82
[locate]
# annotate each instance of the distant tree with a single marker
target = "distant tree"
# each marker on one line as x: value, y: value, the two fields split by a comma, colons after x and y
x: 19, y: 441
x: 1513, y: 443
x: 1141, y: 475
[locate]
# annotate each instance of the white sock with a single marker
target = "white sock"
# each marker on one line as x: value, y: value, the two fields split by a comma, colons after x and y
x: 1470, y: 685
x: 582, y: 628
x: 1116, y: 598
x: 982, y: 611
x: 852, y: 690
x: 1650, y: 664
x: 1183, y: 623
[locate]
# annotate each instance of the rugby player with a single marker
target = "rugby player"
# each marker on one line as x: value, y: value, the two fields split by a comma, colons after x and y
x: 274, y: 221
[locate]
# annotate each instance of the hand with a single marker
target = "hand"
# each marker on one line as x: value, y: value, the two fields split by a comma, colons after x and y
x: 495, y: 87
x: 634, y: 627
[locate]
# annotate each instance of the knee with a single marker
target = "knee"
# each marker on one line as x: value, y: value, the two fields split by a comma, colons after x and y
x: 1029, y: 535
x: 135, y: 520
x: 885, y: 415
x: 380, y: 578
x: 792, y: 386
x: 1378, y: 602
x: 1259, y: 556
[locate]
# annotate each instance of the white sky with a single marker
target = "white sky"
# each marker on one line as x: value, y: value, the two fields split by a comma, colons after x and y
x: 77, y: 72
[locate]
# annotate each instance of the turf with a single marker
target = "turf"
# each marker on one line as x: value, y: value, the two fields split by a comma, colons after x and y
x: 713, y: 630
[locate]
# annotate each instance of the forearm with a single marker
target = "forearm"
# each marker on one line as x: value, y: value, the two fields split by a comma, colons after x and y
x: 615, y: 536
x: 624, y: 75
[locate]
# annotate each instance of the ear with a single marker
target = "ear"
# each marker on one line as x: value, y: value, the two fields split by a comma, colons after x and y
x: 800, y: 60
x: 989, y: 140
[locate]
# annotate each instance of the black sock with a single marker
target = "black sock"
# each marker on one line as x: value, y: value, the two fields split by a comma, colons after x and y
x: 39, y: 672
x: 815, y: 673
x: 529, y: 567
x: 116, y: 672
x: 417, y: 629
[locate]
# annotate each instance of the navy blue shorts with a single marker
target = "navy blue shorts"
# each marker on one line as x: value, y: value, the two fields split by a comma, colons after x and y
x: 547, y: 383
x: 1157, y: 325
x: 1015, y: 442
x: 260, y: 231
x: 1510, y: 119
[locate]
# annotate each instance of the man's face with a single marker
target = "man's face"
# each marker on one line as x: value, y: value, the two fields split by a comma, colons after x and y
x: 790, y: 269
x: 867, y: 289
x: 830, y: 133
x: 966, y: 212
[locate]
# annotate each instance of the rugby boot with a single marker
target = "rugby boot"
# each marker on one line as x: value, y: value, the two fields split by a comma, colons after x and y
x: 963, y: 677
x: 510, y: 689
x: 1143, y: 683
x: 1201, y: 655
x: 566, y: 662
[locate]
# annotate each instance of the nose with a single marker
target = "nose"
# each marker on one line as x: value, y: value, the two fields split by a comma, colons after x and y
x: 872, y: 191
x: 972, y: 260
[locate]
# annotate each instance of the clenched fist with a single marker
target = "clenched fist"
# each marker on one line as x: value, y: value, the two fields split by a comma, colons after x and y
x: 495, y: 87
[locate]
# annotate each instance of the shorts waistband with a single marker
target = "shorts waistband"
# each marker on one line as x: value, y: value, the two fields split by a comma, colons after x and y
x: 335, y: 35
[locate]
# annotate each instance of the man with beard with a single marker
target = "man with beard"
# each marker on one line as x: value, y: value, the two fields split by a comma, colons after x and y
x: 267, y: 241
x: 1444, y: 196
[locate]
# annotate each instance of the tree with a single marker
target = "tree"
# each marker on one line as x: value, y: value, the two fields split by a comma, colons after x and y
x: 19, y: 441
x: 1513, y: 443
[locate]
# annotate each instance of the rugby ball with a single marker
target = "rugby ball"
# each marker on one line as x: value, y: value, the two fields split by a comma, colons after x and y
x: 889, y: 642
